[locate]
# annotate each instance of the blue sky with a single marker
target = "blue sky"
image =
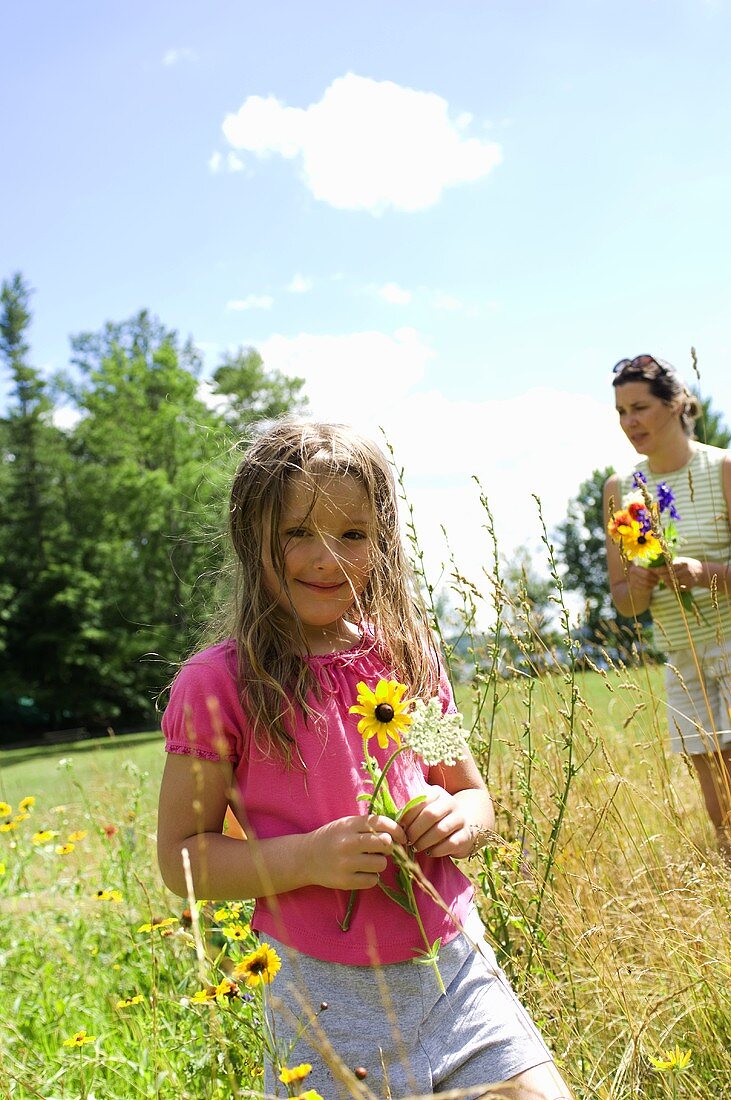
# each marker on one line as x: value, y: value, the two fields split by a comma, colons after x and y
x: 451, y: 218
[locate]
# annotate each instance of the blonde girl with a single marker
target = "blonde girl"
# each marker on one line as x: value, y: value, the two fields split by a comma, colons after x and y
x: 324, y: 601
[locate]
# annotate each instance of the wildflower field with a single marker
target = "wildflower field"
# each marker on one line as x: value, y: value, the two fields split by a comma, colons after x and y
x: 606, y: 903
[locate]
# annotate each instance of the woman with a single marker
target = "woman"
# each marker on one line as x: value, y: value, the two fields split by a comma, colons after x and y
x: 657, y: 414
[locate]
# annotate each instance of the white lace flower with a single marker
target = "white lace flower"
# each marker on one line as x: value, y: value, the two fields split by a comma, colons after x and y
x: 437, y: 738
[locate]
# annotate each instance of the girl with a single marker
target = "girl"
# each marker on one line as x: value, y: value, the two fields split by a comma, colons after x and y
x: 323, y: 602
x: 657, y: 414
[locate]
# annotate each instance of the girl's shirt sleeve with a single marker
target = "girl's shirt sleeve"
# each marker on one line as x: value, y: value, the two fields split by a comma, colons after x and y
x: 204, y: 717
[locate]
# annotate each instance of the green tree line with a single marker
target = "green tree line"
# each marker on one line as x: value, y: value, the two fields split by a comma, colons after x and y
x: 110, y: 542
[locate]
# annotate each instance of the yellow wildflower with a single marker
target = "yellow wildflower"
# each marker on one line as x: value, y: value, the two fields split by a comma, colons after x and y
x: 64, y: 849
x: 74, y: 838
x: 108, y: 895
x: 27, y: 803
x: 383, y: 712
x: 236, y: 931
x: 258, y: 968
x: 311, y: 1094
x: 43, y: 836
x: 8, y: 826
x: 79, y: 1039
x: 5, y: 809
x: 126, y: 1002
x: 675, y: 1059
x: 295, y: 1074
x: 204, y: 996
x: 157, y: 922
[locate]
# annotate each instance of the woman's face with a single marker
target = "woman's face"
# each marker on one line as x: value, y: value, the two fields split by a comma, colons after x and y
x: 645, y: 419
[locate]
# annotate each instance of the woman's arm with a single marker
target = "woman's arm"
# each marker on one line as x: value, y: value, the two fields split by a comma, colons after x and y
x: 631, y: 585
x: 346, y: 854
x: 458, y: 816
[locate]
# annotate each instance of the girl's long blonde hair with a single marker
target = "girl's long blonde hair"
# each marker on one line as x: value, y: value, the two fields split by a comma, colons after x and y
x: 274, y: 680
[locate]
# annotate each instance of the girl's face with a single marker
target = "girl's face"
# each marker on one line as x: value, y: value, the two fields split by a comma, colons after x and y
x: 646, y: 420
x: 325, y: 538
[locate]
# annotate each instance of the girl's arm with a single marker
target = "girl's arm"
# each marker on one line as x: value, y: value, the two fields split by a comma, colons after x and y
x: 346, y: 854
x: 631, y: 585
x: 458, y: 816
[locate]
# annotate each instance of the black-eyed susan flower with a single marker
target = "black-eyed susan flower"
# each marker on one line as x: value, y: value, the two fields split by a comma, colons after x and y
x: 20, y: 817
x: 157, y: 923
x: 3, y: 868
x: 43, y: 836
x: 383, y: 712
x: 259, y: 968
x: 79, y: 1039
x: 5, y: 809
x: 75, y: 837
x: 675, y: 1059
x: 127, y: 1002
x: 64, y: 849
x: 226, y: 990
x: 27, y: 803
x: 8, y: 826
x: 296, y: 1074
x: 108, y: 895
x: 236, y: 932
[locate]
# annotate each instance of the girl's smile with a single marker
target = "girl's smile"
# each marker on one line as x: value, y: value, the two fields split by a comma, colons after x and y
x: 324, y: 538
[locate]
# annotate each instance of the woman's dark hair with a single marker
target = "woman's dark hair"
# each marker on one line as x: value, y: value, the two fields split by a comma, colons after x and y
x: 664, y: 382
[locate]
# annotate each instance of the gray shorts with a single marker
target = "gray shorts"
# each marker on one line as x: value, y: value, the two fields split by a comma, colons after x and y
x: 699, y: 707
x: 393, y: 1022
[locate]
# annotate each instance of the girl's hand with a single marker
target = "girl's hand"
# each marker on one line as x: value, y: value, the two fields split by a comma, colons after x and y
x: 350, y: 853
x: 439, y: 826
x: 689, y: 573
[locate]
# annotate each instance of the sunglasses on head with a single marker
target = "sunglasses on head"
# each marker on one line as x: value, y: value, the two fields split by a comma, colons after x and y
x: 640, y: 362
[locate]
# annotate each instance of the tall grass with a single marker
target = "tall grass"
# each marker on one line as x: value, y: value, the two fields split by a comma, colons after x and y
x: 606, y: 900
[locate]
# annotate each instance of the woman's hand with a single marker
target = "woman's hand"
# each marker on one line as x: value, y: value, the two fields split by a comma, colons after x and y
x: 641, y: 581
x: 439, y: 825
x: 689, y: 573
x: 350, y: 853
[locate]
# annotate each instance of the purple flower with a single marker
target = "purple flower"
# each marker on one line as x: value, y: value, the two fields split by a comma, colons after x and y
x: 644, y: 520
x: 638, y: 478
x: 666, y: 500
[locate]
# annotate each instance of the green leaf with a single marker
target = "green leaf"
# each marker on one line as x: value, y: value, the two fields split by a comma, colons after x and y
x: 410, y: 805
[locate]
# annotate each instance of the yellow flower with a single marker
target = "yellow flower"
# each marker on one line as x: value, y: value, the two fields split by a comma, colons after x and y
x: 295, y: 1074
x: 157, y: 922
x: 20, y: 817
x: 126, y: 1002
x: 311, y: 1094
x: 236, y: 931
x: 636, y: 544
x: 5, y: 809
x: 226, y: 990
x: 2, y: 868
x: 204, y: 996
x: 8, y: 826
x: 383, y: 712
x: 27, y: 803
x: 260, y: 967
x: 108, y: 895
x: 74, y: 838
x: 43, y: 836
x: 64, y: 849
x: 675, y: 1059
x: 79, y: 1039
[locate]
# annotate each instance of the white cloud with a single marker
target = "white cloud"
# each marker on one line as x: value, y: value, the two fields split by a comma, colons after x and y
x: 65, y: 417
x: 367, y: 144
x: 215, y: 162
x: 176, y: 56
x: 440, y: 300
x: 234, y: 163
x: 354, y: 374
x: 395, y: 294
x: 300, y: 284
x: 251, y: 301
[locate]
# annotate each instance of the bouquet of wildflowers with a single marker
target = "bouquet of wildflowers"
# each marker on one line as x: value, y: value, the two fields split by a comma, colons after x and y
x: 438, y: 739
x: 644, y: 529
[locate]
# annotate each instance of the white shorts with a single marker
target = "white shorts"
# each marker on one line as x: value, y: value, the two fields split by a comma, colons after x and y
x: 699, y: 706
x: 394, y: 1023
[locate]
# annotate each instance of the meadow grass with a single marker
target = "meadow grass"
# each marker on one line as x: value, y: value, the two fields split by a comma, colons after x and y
x: 613, y: 927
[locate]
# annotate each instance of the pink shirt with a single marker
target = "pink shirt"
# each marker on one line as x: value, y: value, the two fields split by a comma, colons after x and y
x: 281, y: 802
